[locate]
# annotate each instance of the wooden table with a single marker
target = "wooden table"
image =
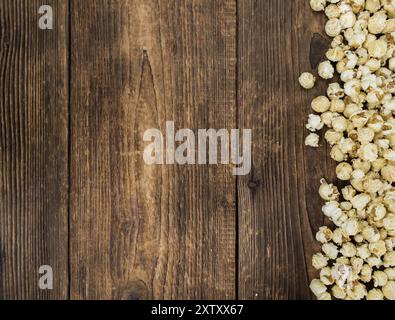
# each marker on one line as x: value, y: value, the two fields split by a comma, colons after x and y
x: 75, y: 192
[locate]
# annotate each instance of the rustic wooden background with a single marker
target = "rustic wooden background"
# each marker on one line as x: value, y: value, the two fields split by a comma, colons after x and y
x: 74, y: 190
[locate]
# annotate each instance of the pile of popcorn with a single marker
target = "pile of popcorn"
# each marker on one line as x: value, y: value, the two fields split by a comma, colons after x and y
x: 358, y: 258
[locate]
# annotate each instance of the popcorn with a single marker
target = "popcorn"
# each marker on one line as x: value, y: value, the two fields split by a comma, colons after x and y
x: 359, y: 115
x: 375, y: 294
x: 366, y: 273
x: 390, y: 272
x: 389, y: 259
x: 312, y: 140
x: 319, y: 261
x: 324, y: 235
x: 344, y: 171
x: 348, y: 250
x: 317, y: 287
x: 380, y: 278
x: 314, y: 124
x: 333, y: 27
x: 377, y: 22
x: 389, y: 290
x: 326, y: 70
x: 307, y: 80
x: 328, y: 192
x: 330, y: 250
x: 321, y: 104
x: 326, y: 276
x: 318, y: 5
x: 378, y: 248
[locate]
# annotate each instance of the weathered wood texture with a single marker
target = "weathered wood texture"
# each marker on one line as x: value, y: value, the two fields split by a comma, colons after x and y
x: 109, y: 225
x: 279, y: 210
x: 33, y: 150
x: 138, y: 231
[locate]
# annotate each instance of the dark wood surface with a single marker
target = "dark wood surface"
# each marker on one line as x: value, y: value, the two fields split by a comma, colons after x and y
x: 33, y: 150
x: 75, y: 192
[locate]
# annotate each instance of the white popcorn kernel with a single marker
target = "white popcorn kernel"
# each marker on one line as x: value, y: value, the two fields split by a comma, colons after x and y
x: 325, y: 296
x: 332, y: 210
x: 319, y: 261
x: 307, y: 80
x: 348, y: 19
x: 390, y: 272
x: 366, y: 273
x: 378, y: 248
x: 321, y: 104
x: 338, y: 292
x: 374, y: 262
x: 333, y: 27
x: 389, y: 222
x: 330, y: 250
x: 380, y: 279
x: 326, y: 276
x: 339, y: 236
x: 328, y: 192
x: 317, y: 287
x: 377, y: 22
x: 369, y: 152
x: 373, y: 5
x: 324, y: 235
x: 351, y: 227
x: 335, y: 91
x: 353, y: 88
x: 389, y: 290
x: 378, y: 48
x: 348, y: 250
x: 318, y: 5
x: 388, y: 173
x: 314, y: 123
x: 370, y: 234
x: 360, y: 201
x: 312, y: 140
x: 326, y: 70
x: 389, y: 259
x: 339, y: 124
x: 357, y: 292
x: 375, y: 294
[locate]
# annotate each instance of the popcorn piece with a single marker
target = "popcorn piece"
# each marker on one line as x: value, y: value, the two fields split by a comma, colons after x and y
x: 328, y: 192
x: 348, y: 250
x: 314, y: 123
x: 312, y: 140
x: 330, y: 250
x: 389, y: 259
x: 318, y: 5
x: 324, y: 235
x: 359, y: 114
x: 307, y: 80
x: 317, y: 287
x: 319, y: 261
x: 321, y: 104
x: 326, y: 70
x: 375, y: 294
x: 380, y: 279
x: 389, y: 290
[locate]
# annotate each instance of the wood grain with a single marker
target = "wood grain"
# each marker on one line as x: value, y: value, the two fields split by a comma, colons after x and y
x: 279, y: 210
x: 83, y: 200
x: 138, y: 231
x: 33, y: 150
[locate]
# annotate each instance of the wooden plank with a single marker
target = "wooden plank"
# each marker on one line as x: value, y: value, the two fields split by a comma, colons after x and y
x: 142, y: 231
x: 279, y: 209
x: 33, y: 150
